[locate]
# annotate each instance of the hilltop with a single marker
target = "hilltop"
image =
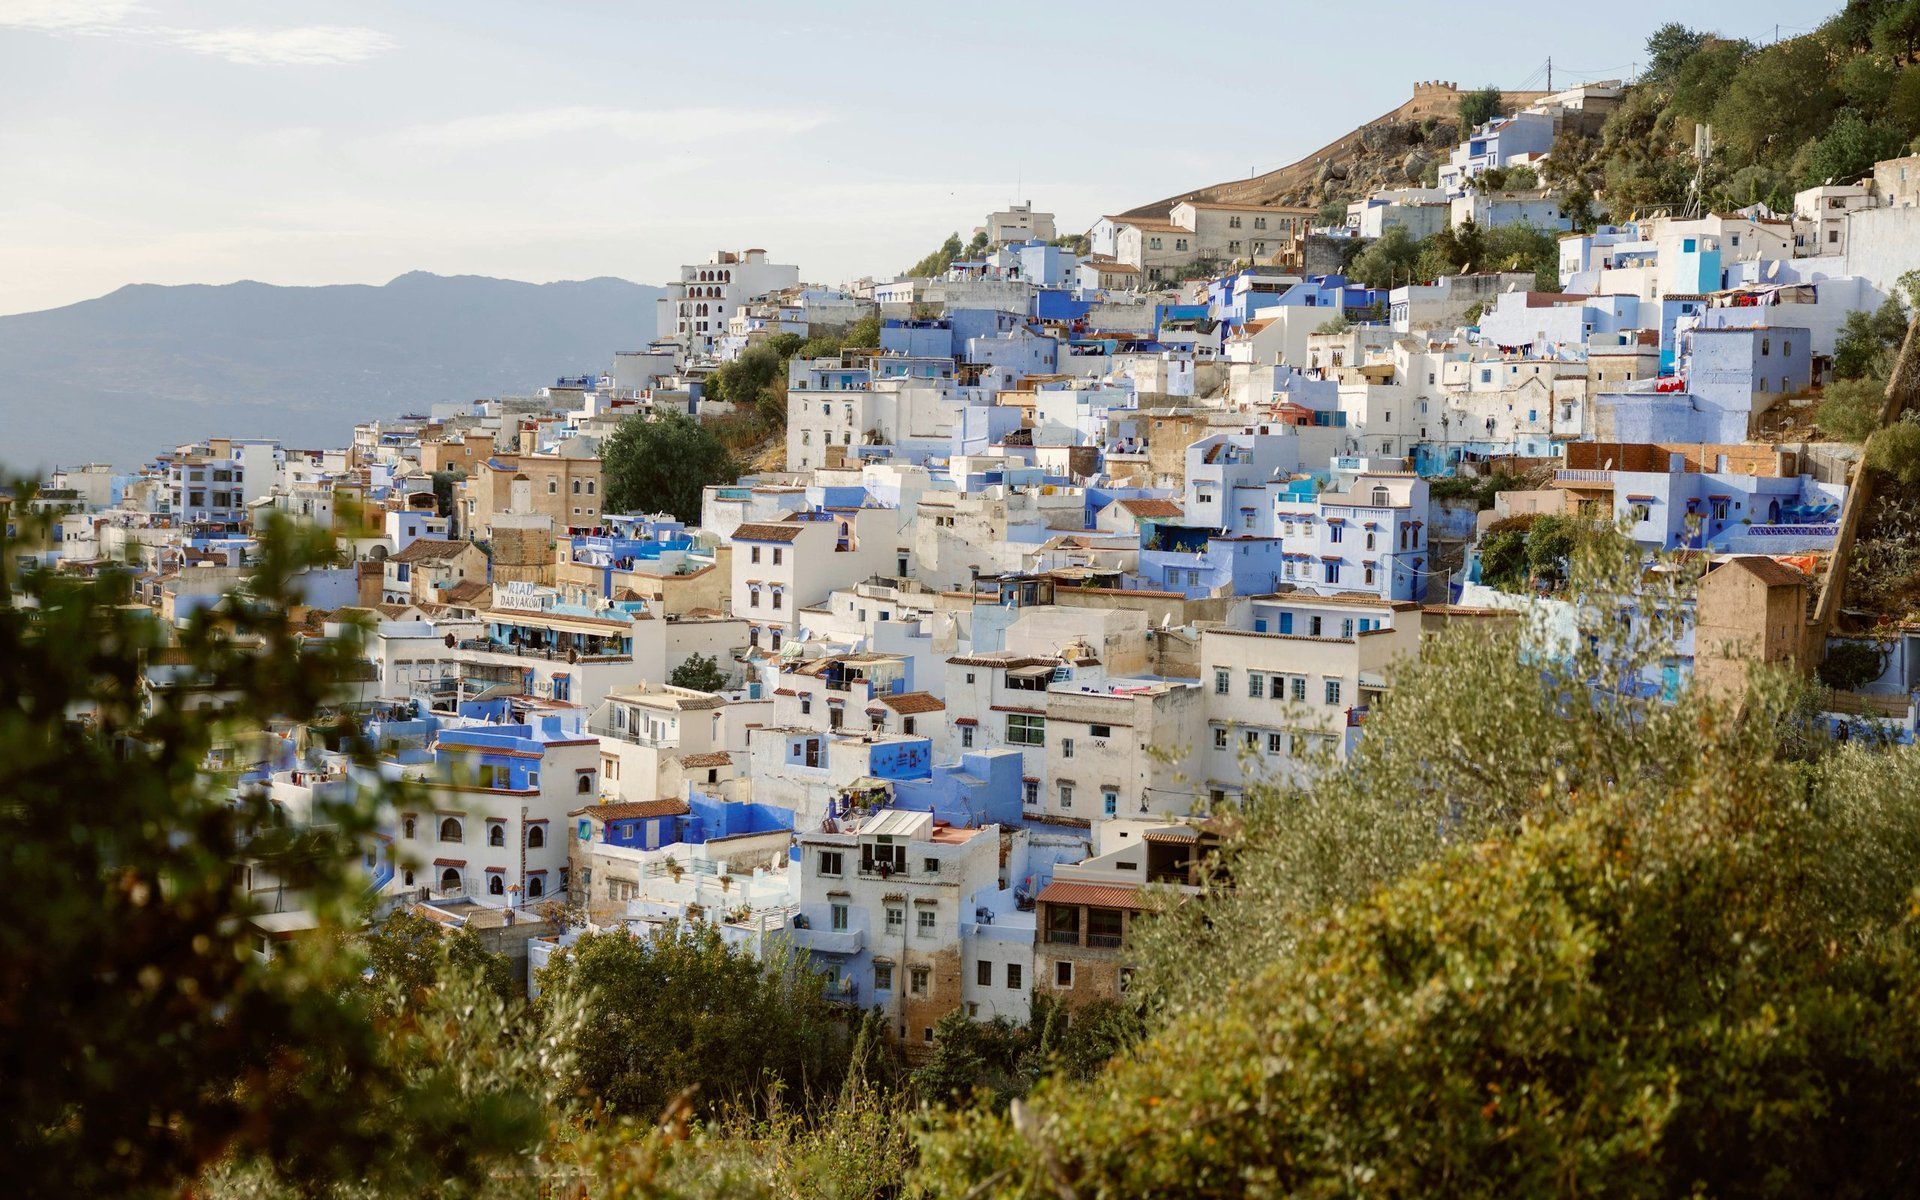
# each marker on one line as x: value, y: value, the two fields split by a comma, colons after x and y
x: 1393, y: 148
x: 147, y: 366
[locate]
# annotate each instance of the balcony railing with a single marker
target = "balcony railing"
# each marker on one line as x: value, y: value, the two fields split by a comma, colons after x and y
x: 1582, y: 475
x: 1063, y: 937
x: 548, y: 653
x: 829, y: 941
x: 1104, y: 941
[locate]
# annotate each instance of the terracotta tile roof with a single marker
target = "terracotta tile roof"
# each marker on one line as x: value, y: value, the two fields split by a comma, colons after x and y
x: 910, y: 703
x: 759, y: 531
x: 638, y: 808
x: 1099, y: 895
x: 1770, y: 571
x: 717, y: 758
x: 467, y: 591
x: 1153, y: 508
x: 428, y: 549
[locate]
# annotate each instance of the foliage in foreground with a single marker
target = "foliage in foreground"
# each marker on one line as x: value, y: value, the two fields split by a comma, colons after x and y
x: 1658, y: 992
x: 686, y: 1012
x: 143, y: 1042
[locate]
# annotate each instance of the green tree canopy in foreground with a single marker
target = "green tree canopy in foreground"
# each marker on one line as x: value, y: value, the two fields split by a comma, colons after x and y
x: 685, y: 1010
x: 661, y: 463
x: 1536, y: 938
x: 143, y: 1042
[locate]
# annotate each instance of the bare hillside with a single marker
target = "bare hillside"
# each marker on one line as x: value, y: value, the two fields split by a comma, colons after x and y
x: 1393, y: 148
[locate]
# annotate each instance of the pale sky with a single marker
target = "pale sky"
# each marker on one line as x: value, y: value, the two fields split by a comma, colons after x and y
x: 350, y: 141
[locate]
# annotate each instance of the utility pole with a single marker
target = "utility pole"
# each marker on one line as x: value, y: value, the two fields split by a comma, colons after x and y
x: 1549, y: 72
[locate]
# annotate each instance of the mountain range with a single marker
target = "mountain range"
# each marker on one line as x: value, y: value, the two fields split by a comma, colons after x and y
x: 124, y: 376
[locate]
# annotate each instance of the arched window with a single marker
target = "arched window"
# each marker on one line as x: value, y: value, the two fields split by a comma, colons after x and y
x: 536, y: 886
x: 536, y: 837
x: 450, y: 880
x: 407, y: 827
x: 496, y: 834
x: 1380, y: 497
x: 408, y: 879
x: 450, y: 830
x: 496, y: 885
x: 585, y: 784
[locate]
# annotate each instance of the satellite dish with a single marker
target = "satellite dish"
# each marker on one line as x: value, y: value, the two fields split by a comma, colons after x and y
x: 1773, y: 269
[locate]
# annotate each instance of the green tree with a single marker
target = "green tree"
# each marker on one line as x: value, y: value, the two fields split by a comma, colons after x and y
x: 1668, y: 49
x: 1848, y: 150
x: 1595, y: 946
x: 1896, y: 33
x: 1853, y: 664
x: 700, y: 672
x: 1866, y: 83
x: 1865, y: 346
x: 1503, y: 559
x: 1479, y: 106
x: 444, y: 483
x: 1550, y: 542
x: 1523, y: 247
x: 1389, y: 261
x: 1777, y: 100
x: 661, y: 463
x: 863, y: 334
x: 685, y: 1010
x: 936, y: 264
x: 1903, y: 101
x: 749, y: 379
x: 410, y: 955
x: 1704, y: 76
x: 143, y: 1040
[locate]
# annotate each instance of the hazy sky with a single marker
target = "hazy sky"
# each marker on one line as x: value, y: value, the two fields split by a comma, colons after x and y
x: 349, y: 141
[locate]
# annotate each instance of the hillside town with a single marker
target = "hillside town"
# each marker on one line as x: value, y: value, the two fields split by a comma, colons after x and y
x: 1034, y: 561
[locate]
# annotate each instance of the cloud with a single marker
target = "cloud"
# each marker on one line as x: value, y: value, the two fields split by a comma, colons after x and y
x: 298, y: 45
x: 88, y: 17
x: 662, y: 125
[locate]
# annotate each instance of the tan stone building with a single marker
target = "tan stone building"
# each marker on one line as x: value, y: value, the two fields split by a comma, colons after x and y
x: 1750, y: 609
x: 429, y: 568
x: 564, y: 490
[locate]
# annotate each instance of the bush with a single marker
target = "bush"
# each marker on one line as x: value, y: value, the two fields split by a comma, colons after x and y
x: 1850, y: 408
x: 1895, y: 452
x: 1852, y: 664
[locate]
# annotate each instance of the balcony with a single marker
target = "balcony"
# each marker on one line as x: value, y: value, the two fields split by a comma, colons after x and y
x: 1583, y: 476
x: 547, y: 653
x: 631, y: 736
x: 828, y: 941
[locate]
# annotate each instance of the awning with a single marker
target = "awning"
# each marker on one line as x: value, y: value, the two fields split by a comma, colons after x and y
x: 449, y: 862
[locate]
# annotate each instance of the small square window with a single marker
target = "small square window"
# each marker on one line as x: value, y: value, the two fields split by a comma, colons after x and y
x: 1063, y: 973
